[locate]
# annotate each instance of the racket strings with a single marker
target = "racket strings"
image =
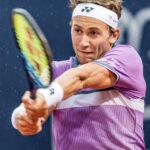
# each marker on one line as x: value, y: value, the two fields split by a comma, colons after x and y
x: 32, y: 48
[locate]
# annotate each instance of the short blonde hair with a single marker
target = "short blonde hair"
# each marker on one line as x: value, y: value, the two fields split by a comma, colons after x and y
x: 114, y: 5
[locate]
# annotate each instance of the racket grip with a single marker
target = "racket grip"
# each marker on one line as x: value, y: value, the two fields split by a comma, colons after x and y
x: 33, y: 94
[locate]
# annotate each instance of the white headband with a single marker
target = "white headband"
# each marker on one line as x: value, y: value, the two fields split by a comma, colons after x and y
x: 96, y: 11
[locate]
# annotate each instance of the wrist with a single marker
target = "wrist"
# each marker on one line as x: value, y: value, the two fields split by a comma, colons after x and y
x: 52, y: 94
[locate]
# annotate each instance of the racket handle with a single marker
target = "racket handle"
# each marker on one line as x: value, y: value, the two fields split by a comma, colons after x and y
x: 33, y: 94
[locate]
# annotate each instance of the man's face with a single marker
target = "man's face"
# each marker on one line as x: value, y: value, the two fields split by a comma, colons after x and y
x: 91, y: 38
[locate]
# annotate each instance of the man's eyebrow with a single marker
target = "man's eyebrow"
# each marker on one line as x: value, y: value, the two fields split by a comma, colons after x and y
x: 76, y: 25
x: 90, y: 28
x: 95, y: 28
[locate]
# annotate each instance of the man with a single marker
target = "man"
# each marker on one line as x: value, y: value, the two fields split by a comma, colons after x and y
x: 96, y: 97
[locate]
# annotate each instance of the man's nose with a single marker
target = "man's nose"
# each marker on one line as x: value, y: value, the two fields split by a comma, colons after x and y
x: 85, y: 41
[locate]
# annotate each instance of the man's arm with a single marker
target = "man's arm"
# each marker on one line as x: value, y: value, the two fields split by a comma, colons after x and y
x: 70, y: 82
x: 86, y: 76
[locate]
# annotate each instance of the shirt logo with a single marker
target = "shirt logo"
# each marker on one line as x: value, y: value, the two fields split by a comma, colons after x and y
x: 87, y: 9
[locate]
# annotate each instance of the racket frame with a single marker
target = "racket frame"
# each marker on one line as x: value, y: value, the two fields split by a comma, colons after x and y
x: 32, y: 79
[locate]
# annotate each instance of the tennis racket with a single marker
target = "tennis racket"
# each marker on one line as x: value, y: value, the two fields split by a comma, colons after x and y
x: 34, y: 49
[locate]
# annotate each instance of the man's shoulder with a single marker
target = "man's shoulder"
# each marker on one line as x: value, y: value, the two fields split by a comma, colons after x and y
x: 121, y: 47
x: 125, y: 51
x: 63, y: 64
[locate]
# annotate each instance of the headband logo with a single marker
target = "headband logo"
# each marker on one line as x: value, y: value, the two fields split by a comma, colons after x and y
x: 111, y: 18
x: 87, y: 9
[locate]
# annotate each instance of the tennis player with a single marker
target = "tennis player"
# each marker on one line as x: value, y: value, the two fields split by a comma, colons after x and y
x: 97, y: 96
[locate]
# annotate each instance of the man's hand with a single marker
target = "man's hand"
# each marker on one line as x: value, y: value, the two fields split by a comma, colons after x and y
x: 27, y: 126
x: 35, y: 108
x: 31, y: 114
x: 23, y: 123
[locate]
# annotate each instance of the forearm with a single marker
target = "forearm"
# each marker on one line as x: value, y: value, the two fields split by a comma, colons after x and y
x: 71, y: 81
x: 86, y: 76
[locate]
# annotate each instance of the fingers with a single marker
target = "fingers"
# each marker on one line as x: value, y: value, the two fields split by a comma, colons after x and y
x: 26, y: 97
x: 31, y: 114
x: 33, y: 104
x: 42, y: 120
x: 26, y: 126
x: 36, y: 108
x: 29, y: 131
x: 25, y: 121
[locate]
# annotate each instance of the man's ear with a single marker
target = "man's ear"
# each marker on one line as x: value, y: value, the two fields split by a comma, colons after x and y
x: 115, y: 35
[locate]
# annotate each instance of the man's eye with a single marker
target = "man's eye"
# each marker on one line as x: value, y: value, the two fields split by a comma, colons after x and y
x: 93, y: 33
x: 77, y: 30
